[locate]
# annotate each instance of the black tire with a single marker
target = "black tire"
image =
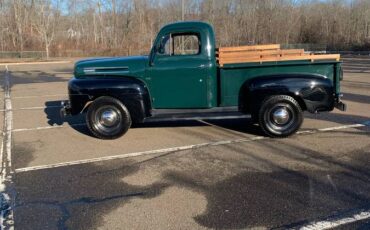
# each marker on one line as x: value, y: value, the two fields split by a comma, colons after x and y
x: 280, y: 116
x: 108, y: 118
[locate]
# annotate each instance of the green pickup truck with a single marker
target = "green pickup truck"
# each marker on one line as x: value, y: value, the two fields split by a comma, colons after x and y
x: 186, y: 77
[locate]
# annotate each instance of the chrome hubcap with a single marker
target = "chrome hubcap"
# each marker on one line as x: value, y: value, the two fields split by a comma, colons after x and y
x: 108, y: 118
x: 281, y: 116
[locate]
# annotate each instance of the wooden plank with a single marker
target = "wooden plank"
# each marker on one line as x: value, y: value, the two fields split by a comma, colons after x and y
x: 262, y: 53
x: 251, y: 48
x: 258, y: 58
x: 290, y: 58
x: 287, y: 58
x: 245, y: 48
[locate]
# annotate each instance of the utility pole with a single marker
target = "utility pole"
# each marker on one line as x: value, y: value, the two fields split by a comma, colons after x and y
x: 182, y: 10
x: 182, y: 18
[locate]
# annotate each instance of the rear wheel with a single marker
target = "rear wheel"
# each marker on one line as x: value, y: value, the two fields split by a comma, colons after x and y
x: 108, y: 118
x: 280, y: 116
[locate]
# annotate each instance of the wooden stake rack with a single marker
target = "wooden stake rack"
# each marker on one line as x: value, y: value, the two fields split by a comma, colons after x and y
x: 266, y: 53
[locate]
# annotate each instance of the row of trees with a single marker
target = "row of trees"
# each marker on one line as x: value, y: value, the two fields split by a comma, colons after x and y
x: 28, y: 25
x: 126, y: 27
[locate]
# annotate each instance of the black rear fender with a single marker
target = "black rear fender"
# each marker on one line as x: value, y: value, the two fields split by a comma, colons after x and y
x: 130, y: 91
x: 313, y: 92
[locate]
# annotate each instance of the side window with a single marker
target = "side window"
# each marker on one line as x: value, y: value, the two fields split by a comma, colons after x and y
x: 179, y: 44
x: 187, y: 44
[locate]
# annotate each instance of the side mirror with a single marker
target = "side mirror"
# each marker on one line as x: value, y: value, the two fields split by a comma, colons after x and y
x: 160, y: 49
x: 161, y: 46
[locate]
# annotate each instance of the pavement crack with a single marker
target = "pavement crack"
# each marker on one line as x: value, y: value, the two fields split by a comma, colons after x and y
x: 64, y: 206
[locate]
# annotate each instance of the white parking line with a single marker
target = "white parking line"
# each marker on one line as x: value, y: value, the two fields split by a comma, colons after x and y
x: 48, y: 127
x: 346, y: 126
x: 8, y: 126
x: 7, y: 218
x: 136, y: 154
x: 168, y: 150
x: 299, y: 132
x: 336, y: 221
x: 34, y: 108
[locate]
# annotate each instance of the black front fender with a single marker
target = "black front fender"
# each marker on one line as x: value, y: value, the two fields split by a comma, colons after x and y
x: 130, y: 91
x: 313, y: 92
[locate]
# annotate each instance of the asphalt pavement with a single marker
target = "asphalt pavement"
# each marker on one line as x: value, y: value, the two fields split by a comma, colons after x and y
x: 184, y: 174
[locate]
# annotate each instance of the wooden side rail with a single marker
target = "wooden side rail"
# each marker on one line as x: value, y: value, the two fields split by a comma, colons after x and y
x: 266, y: 53
x: 261, y: 53
x: 249, y: 48
x: 311, y: 57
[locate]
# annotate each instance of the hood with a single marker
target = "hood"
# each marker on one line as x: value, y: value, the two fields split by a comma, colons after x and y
x: 119, y: 66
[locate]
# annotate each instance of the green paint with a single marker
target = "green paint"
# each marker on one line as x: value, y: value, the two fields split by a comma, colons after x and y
x: 184, y: 81
x: 119, y: 66
x: 191, y: 81
x: 233, y: 78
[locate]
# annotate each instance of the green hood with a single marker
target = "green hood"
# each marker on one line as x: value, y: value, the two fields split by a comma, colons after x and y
x: 119, y: 66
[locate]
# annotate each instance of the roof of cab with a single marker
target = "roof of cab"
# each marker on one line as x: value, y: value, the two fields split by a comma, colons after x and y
x: 187, y: 24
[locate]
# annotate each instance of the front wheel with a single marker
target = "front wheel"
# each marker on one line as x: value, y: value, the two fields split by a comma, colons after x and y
x: 108, y: 118
x: 280, y: 116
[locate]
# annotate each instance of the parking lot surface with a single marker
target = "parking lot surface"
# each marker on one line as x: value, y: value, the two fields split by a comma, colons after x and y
x: 184, y: 175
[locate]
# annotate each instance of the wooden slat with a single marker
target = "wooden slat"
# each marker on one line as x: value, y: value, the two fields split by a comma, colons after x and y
x: 246, y: 48
x: 265, y: 53
x: 284, y: 58
x: 288, y: 58
x: 262, y: 53
x: 260, y: 59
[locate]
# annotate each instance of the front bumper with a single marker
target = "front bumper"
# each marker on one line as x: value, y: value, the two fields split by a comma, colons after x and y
x: 66, y: 109
x: 340, y: 105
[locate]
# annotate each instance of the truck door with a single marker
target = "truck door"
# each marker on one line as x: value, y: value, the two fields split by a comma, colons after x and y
x: 177, y: 75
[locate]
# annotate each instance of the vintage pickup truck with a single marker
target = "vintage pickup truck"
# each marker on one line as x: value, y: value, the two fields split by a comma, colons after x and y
x: 186, y: 77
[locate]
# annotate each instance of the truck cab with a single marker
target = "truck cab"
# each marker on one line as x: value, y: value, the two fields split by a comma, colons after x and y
x: 182, y: 67
x: 186, y: 77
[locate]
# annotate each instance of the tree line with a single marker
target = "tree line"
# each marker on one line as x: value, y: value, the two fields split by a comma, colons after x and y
x: 128, y: 27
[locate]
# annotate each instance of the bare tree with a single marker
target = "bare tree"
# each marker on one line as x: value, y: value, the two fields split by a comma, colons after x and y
x: 126, y: 27
x: 45, y: 23
x: 18, y: 17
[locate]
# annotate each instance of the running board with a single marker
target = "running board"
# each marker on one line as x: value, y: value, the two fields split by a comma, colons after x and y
x: 197, y: 116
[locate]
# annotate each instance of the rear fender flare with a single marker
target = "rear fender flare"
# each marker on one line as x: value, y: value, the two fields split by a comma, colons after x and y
x: 312, y: 91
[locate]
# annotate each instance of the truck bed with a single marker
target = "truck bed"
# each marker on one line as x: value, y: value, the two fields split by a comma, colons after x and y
x: 266, y: 53
x: 240, y: 64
